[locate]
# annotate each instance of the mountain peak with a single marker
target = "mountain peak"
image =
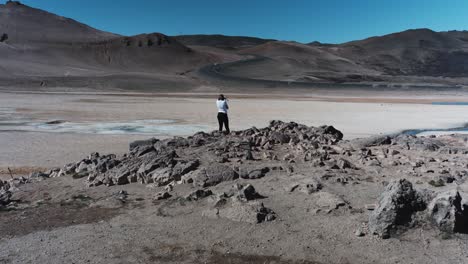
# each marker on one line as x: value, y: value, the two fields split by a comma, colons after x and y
x: 13, y: 3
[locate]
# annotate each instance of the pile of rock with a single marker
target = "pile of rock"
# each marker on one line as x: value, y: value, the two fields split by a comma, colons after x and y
x: 198, y: 159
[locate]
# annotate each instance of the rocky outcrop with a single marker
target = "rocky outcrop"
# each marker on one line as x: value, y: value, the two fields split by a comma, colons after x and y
x: 449, y: 212
x: 190, y: 160
x: 396, y: 207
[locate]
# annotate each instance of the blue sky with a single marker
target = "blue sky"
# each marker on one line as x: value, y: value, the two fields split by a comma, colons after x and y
x: 330, y: 21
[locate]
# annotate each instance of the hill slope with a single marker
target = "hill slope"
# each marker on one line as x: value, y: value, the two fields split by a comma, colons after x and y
x: 38, y: 44
x: 221, y: 41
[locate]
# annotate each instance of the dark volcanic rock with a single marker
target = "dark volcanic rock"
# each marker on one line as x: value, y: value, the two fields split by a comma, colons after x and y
x: 397, y: 204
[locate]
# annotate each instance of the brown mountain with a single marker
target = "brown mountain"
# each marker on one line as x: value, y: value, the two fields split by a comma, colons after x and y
x: 35, y: 43
x: 38, y: 47
x: 221, y: 41
x: 404, y: 55
x: 411, y: 52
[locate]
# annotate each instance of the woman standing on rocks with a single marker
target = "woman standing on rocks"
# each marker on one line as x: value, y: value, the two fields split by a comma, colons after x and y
x: 223, y: 107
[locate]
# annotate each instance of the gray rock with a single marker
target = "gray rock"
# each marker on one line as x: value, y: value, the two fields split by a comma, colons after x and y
x: 140, y: 143
x: 245, y: 173
x: 449, y: 213
x: 182, y: 168
x: 5, y: 197
x: 306, y: 185
x: 120, y: 177
x: 244, y: 193
x: 396, y: 207
x: 162, y: 176
x: 162, y: 196
x: 198, y: 194
x: 359, y: 232
x: 215, y: 174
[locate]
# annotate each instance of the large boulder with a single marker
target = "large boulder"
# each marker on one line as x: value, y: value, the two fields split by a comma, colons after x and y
x: 396, y: 207
x: 448, y: 212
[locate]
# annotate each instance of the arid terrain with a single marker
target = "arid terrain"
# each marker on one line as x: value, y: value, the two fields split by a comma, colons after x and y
x: 339, y: 153
x: 286, y: 193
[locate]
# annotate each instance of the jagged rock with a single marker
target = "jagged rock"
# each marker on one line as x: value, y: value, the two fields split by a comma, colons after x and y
x: 162, y: 196
x: 333, y: 131
x: 359, y: 232
x: 243, y: 193
x: 141, y: 143
x: 162, y: 176
x: 215, y: 174
x: 449, y: 212
x: 198, y: 194
x: 177, y: 142
x: 397, y: 204
x: 156, y: 161
x: 120, y: 177
x: 5, y: 197
x: 182, y: 168
x: 306, y: 185
x: 38, y: 175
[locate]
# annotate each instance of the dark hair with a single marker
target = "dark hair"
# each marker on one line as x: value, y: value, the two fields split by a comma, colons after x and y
x: 221, y: 97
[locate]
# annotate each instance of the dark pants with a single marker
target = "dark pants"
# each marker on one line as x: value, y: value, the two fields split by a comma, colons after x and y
x: 223, y: 120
